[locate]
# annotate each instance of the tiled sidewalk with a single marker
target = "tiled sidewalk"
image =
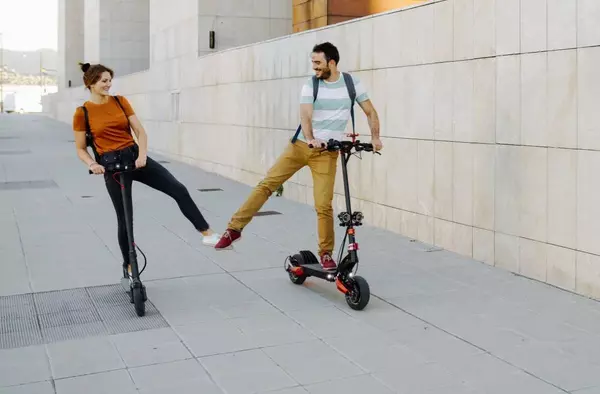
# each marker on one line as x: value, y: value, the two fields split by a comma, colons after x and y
x: 232, y: 322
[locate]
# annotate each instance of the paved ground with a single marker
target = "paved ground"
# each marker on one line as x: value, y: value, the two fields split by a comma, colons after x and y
x: 231, y: 322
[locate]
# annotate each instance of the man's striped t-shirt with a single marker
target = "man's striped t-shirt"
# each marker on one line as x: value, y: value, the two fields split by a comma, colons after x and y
x: 331, y: 110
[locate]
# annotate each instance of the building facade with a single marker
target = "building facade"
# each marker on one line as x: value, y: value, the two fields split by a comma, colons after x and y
x: 311, y: 14
x: 488, y: 111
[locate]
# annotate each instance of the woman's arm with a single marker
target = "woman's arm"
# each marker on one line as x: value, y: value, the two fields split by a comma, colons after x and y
x: 142, y: 138
x: 83, y: 154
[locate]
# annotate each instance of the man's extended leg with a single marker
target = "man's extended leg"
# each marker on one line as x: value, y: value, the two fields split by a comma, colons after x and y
x: 290, y: 162
x: 323, y: 166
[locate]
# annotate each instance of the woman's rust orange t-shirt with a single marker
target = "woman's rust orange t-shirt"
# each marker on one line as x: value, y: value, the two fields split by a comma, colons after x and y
x: 108, y: 124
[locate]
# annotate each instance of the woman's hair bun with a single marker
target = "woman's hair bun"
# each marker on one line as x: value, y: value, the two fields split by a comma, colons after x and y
x: 84, y: 66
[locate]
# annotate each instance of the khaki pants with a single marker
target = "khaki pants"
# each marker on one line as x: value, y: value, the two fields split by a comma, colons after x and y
x: 323, y: 168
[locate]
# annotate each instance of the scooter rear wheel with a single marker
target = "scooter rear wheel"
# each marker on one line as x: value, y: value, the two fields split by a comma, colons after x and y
x: 359, y: 295
x: 297, y: 280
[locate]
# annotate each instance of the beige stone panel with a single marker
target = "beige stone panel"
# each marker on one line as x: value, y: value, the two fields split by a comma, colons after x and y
x: 508, y: 27
x: 588, y: 196
x: 534, y: 99
x: 508, y: 100
x: 463, y: 183
x: 507, y: 252
x: 484, y: 173
x: 562, y: 24
x: 562, y: 267
x: 464, y: 24
x: 588, y: 28
x: 483, y: 245
x: 533, y: 196
x: 533, y: 25
x: 443, y: 178
x: 588, y: 275
x: 562, y: 197
x: 532, y: 259
x: 562, y: 99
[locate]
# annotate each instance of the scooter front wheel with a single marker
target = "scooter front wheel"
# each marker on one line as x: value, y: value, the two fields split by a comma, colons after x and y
x: 139, y: 299
x: 359, y: 293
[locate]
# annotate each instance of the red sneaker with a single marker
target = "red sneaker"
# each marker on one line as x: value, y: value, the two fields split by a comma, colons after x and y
x: 229, y: 237
x: 327, y: 262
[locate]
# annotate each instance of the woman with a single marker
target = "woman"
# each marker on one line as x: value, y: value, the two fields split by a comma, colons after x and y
x: 110, y: 120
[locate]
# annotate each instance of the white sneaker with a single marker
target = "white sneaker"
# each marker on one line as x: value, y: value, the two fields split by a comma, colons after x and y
x: 211, y: 240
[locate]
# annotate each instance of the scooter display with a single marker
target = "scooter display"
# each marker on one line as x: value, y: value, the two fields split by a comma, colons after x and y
x: 305, y: 264
x: 131, y: 282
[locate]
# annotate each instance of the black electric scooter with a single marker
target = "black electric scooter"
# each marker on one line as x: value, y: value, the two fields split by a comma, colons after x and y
x: 131, y: 283
x: 305, y: 264
x: 119, y: 165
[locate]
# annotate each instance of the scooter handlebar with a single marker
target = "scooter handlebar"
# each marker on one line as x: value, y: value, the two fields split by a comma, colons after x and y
x: 124, y: 169
x: 333, y: 145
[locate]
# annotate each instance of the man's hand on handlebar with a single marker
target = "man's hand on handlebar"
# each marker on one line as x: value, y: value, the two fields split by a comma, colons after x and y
x: 96, y: 168
x: 316, y: 143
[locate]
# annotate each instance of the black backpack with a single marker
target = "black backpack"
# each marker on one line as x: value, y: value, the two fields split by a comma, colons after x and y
x: 351, y: 92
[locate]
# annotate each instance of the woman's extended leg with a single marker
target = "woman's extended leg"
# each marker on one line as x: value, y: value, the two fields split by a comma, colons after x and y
x: 158, y: 177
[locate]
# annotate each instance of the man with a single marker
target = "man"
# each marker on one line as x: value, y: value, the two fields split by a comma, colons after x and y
x: 321, y: 119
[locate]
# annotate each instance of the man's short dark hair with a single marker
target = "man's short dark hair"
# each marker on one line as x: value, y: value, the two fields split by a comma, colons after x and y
x: 329, y: 50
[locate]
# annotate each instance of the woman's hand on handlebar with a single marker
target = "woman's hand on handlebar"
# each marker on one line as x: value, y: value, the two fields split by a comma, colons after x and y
x: 377, y: 144
x: 140, y: 161
x: 96, y: 168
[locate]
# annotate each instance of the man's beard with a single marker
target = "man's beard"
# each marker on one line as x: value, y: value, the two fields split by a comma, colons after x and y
x: 325, y: 73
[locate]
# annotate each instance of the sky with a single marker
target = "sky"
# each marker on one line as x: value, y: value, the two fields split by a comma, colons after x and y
x: 27, y: 25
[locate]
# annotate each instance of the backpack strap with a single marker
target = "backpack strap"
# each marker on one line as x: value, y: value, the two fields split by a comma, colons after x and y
x: 315, y: 82
x: 352, y: 93
x: 123, y: 109
x: 89, y: 138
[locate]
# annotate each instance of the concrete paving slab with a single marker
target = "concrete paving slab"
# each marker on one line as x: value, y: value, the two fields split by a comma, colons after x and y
x: 247, y: 372
x: 313, y: 362
x: 23, y: 365
x: 176, y: 377
x: 33, y: 388
x: 355, y: 385
x: 150, y: 347
x: 83, y: 357
x: 101, y: 383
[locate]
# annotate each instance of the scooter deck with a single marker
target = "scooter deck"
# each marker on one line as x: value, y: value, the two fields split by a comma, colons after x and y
x: 316, y: 270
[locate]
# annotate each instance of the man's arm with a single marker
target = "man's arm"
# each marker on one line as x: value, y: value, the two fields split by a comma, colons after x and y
x: 306, y: 112
x: 373, y: 118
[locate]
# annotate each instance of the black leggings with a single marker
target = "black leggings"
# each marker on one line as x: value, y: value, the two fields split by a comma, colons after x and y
x: 159, y: 178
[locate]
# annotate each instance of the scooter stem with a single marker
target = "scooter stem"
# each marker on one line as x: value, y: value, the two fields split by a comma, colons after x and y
x: 128, y: 210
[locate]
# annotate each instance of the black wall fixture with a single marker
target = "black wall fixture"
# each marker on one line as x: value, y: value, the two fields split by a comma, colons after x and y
x: 211, y: 39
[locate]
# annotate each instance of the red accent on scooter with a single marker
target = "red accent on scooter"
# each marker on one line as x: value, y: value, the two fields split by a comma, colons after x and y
x: 340, y: 286
x: 298, y: 271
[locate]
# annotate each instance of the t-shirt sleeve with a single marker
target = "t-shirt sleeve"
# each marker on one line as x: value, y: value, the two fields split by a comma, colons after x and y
x: 126, y: 106
x: 361, y: 91
x: 306, y: 96
x: 79, y: 120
